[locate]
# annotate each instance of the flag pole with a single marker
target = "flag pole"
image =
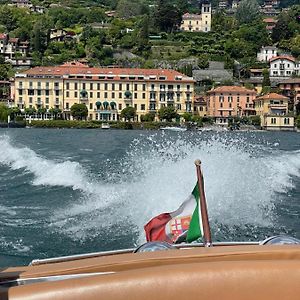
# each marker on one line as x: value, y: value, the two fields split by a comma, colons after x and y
x: 203, y: 206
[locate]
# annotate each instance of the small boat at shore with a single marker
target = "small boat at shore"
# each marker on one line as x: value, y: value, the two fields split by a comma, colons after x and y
x: 170, y: 128
x: 105, y: 126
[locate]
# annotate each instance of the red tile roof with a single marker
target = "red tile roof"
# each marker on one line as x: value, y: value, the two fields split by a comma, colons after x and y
x: 272, y: 96
x: 270, y: 20
x: 81, y: 69
x: 291, y: 58
x: 231, y: 89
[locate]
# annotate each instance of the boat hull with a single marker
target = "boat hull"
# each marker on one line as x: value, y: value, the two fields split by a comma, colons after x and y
x: 224, y: 272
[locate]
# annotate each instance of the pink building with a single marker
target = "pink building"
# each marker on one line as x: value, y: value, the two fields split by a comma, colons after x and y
x: 230, y: 101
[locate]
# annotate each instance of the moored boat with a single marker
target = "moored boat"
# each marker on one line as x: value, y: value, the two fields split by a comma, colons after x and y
x: 170, y: 128
x: 105, y: 126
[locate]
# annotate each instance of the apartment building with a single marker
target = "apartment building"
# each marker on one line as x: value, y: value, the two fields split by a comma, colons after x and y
x: 230, y: 101
x: 284, y: 66
x: 198, y: 22
x: 105, y: 91
x: 273, y: 111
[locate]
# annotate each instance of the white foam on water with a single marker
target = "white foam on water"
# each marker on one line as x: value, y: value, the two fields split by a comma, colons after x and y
x: 242, y: 182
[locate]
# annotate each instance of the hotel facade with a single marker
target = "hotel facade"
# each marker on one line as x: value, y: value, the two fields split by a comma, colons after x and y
x: 105, y: 91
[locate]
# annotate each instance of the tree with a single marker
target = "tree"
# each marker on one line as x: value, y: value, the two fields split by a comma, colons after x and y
x: 187, y: 117
x: 167, y: 113
x: 149, y: 117
x: 266, y: 78
x: 30, y: 111
x: 130, y: 8
x: 247, y: 12
x: 4, y: 112
x: 167, y: 16
x: 79, y: 111
x: 128, y: 113
x: 55, y: 112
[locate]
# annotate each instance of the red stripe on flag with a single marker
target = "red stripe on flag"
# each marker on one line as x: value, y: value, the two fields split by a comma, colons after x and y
x: 155, y: 228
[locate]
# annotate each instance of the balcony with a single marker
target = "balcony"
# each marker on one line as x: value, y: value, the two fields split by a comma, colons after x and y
x: 152, y: 109
x: 170, y: 100
x: 83, y: 96
x: 152, y: 100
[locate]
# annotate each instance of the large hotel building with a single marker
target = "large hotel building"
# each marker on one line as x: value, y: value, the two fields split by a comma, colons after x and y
x: 105, y: 91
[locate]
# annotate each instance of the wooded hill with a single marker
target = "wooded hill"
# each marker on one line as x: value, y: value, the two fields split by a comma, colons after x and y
x: 143, y: 34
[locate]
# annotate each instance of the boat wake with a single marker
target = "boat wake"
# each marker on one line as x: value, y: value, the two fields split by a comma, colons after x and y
x: 243, y: 183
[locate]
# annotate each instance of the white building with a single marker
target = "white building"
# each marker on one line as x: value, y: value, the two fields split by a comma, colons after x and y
x: 284, y: 66
x: 266, y: 53
x: 15, y: 51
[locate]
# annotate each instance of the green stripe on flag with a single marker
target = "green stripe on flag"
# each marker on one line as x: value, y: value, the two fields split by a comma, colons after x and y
x: 195, y: 229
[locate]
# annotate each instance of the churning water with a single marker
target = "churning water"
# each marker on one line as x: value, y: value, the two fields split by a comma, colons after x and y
x: 73, y: 191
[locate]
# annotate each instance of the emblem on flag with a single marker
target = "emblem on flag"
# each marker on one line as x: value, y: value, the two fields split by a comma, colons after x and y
x: 178, y: 226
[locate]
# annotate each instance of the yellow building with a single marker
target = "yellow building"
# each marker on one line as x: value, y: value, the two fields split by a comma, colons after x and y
x: 105, y: 91
x: 200, y: 106
x: 273, y: 111
x: 198, y: 22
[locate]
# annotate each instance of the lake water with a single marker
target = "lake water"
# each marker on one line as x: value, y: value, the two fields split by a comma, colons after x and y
x: 74, y: 191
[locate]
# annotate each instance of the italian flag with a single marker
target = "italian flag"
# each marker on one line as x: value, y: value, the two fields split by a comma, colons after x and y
x: 183, y: 224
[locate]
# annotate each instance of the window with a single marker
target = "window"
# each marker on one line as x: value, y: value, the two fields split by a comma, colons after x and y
x: 144, y: 87
x: 105, y: 95
x: 127, y: 87
x: 67, y: 86
x: 75, y: 86
x: 67, y: 94
x: 113, y: 95
x: 91, y: 86
x: 120, y: 86
x: 135, y: 87
x: 135, y: 106
x: 56, y: 93
x: 221, y: 104
x: 98, y: 94
x: 144, y: 95
x: 273, y: 120
x: 30, y: 99
x: 98, y: 87
x: 120, y: 106
x: 112, y: 86
x: 83, y: 86
x: 47, y: 100
x: 135, y: 95
x: 91, y: 105
x: 105, y: 86
x: 67, y: 105
x: 120, y: 95
x: 75, y: 94
x: 143, y: 107
x: 91, y: 94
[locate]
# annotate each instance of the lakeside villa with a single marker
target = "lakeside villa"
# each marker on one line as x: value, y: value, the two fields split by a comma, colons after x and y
x: 273, y: 111
x: 105, y: 91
